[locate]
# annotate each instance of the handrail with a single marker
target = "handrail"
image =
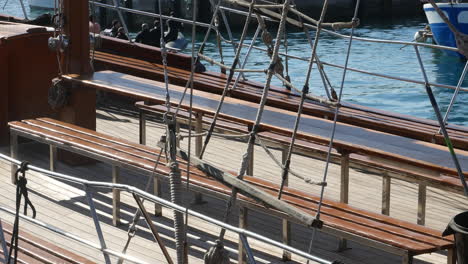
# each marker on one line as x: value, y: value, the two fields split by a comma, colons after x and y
x: 155, y: 199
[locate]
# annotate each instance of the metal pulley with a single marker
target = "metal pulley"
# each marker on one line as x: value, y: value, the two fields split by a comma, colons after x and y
x: 58, y: 43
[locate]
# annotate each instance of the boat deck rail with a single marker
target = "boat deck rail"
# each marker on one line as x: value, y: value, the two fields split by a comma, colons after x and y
x: 143, y: 159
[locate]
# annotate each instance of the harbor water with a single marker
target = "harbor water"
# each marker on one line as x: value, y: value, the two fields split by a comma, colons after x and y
x: 387, y: 59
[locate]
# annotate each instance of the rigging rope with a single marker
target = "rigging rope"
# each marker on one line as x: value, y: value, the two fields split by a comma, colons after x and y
x: 220, y: 45
x: 21, y: 191
x: 175, y: 181
x: 228, y: 82
x: 196, y: 61
x: 335, y: 119
x: 305, y: 91
x: 189, y: 149
x: 268, y: 152
x: 250, y: 144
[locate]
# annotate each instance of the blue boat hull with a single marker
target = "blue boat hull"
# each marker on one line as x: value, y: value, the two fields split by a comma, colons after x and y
x: 458, y: 16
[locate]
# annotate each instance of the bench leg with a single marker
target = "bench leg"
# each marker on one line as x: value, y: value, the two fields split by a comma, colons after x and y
x: 198, y: 197
x: 286, y: 239
x: 157, y: 192
x: 250, y: 168
x: 452, y: 256
x: 142, y: 127
x: 115, y: 197
x: 344, y: 192
x: 53, y: 158
x: 177, y: 133
x: 13, y: 154
x: 422, y: 204
x: 407, y: 259
x: 243, y: 215
x: 386, y: 183
x: 286, y: 223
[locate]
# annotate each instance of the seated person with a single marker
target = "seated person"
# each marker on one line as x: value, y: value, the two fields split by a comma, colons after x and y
x: 121, y: 34
x: 155, y: 34
x: 114, y: 30
x: 144, y: 36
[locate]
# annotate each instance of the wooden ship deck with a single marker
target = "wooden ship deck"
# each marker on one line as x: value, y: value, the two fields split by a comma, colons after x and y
x: 392, y: 185
x: 64, y: 205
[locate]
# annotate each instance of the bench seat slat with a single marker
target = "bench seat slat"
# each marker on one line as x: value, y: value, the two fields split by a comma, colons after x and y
x: 352, y: 210
x: 109, y: 153
x: 329, y: 208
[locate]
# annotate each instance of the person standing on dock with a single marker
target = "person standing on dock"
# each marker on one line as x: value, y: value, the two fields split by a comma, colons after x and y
x: 144, y: 36
x: 155, y: 34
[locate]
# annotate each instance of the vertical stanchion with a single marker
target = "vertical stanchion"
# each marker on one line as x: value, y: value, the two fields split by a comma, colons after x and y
x: 142, y: 127
x: 285, y: 223
x: 3, y: 243
x: 344, y: 190
x: 97, y: 225
x: 422, y: 191
x: 13, y: 154
x: 115, y: 197
x: 250, y: 166
x: 243, y: 220
x: 198, y: 198
x: 52, y: 158
x: 386, y: 184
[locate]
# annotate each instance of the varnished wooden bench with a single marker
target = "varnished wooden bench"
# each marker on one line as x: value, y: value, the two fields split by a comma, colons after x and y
x: 393, y: 123
x: 370, y: 229
x: 388, y: 169
x: 32, y: 249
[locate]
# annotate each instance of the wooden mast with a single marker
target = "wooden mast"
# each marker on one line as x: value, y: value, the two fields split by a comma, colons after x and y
x: 81, y: 109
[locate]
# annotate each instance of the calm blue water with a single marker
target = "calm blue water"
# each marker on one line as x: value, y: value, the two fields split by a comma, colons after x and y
x: 391, y: 95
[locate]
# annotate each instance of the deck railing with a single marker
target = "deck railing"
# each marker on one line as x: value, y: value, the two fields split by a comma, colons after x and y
x: 138, y: 195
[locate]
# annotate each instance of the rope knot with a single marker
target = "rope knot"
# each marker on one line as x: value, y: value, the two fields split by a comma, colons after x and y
x: 22, y: 169
x: 21, y: 191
